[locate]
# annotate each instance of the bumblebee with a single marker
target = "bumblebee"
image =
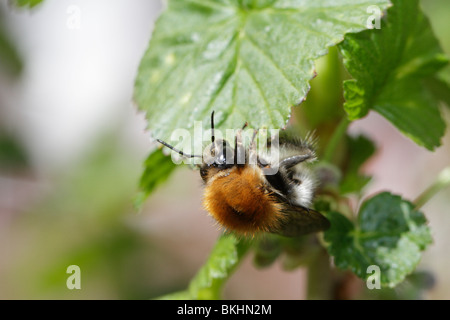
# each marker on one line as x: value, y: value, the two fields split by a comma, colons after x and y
x: 269, y: 194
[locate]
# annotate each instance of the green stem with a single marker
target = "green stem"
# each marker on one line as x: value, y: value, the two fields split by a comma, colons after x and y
x: 320, y: 277
x: 442, y: 182
x: 335, y: 140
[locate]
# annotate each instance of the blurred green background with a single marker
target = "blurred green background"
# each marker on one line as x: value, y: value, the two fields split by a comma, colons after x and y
x: 72, y: 147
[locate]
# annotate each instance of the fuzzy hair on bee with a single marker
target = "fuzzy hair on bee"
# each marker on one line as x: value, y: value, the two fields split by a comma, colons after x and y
x: 272, y: 194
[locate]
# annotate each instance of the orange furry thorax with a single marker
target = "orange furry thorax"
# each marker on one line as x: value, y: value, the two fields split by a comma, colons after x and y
x: 239, y: 200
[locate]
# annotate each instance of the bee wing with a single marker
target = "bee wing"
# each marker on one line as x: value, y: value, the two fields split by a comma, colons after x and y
x: 300, y: 221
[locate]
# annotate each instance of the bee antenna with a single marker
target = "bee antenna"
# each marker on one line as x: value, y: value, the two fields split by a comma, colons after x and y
x: 178, y: 151
x: 213, y: 138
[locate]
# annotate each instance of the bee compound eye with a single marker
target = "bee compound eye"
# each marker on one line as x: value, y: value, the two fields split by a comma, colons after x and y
x: 225, y: 157
x: 218, y: 154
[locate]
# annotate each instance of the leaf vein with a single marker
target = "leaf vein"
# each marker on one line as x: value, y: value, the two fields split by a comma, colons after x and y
x: 277, y: 67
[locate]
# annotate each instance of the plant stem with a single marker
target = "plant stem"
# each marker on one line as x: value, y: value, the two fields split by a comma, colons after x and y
x: 319, y: 277
x: 337, y: 136
x: 442, y: 181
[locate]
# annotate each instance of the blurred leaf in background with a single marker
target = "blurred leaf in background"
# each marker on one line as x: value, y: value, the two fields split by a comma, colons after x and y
x: 27, y: 3
x: 11, y: 63
x: 12, y: 153
x: 10, y: 60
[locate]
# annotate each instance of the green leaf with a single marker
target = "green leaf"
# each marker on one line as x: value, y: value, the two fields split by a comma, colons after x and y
x: 389, y: 233
x: 360, y: 149
x: 247, y: 60
x: 10, y: 60
x: 157, y: 169
x: 12, y: 153
x: 440, y: 89
x: 208, y: 282
x: 414, y: 287
x: 388, y: 66
x: 27, y: 3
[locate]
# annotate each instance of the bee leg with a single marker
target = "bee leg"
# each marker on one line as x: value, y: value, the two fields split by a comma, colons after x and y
x: 239, y: 150
x: 294, y: 160
x: 253, y: 156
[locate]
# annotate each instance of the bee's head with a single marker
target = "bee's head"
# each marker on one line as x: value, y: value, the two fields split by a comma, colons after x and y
x: 219, y: 155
